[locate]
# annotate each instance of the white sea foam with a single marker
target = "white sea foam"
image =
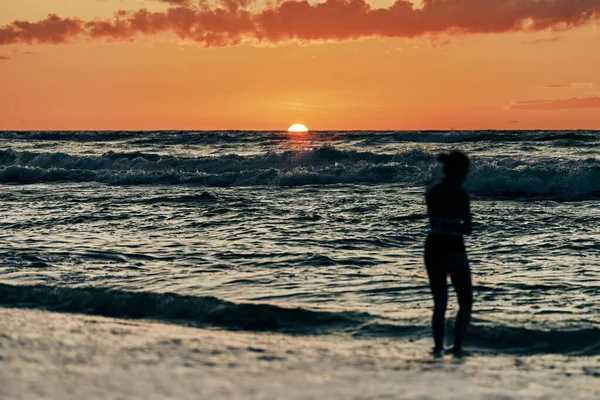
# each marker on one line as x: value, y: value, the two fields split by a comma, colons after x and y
x: 491, y: 177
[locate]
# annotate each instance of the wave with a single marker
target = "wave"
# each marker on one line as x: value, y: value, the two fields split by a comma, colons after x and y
x: 506, y: 339
x: 373, y: 138
x: 201, y: 311
x: 551, y: 178
x: 490, y: 177
x: 202, y: 197
x: 210, y: 311
x: 263, y: 137
x: 59, y: 136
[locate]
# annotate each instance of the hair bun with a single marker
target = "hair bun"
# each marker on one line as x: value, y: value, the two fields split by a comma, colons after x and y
x: 442, y: 157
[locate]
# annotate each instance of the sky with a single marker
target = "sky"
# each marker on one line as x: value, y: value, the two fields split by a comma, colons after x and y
x: 331, y: 65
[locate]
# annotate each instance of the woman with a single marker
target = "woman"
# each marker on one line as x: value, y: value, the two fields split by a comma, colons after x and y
x: 450, y: 216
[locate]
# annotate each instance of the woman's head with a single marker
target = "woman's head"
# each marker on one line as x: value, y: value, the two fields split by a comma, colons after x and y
x: 456, y: 166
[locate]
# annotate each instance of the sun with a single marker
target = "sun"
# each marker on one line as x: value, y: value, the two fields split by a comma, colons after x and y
x: 298, y: 128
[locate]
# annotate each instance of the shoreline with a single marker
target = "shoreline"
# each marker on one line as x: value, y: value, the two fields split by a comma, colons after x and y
x: 53, y: 355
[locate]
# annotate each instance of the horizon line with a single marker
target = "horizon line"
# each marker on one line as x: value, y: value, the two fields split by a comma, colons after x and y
x: 310, y: 130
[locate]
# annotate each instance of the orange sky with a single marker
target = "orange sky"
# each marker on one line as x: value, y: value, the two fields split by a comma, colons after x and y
x: 338, y: 77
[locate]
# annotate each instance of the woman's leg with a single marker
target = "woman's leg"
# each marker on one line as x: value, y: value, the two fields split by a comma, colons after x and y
x: 439, y: 290
x: 458, y: 268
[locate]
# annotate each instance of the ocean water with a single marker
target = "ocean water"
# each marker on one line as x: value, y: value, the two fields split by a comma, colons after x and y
x: 314, y: 234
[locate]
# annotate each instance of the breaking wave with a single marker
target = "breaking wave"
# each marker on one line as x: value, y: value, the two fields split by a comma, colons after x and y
x: 210, y: 311
x: 490, y: 177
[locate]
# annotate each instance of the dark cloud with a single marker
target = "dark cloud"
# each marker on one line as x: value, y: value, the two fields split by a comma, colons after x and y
x: 232, y: 22
x: 556, y: 105
x: 4, y: 58
x: 53, y: 29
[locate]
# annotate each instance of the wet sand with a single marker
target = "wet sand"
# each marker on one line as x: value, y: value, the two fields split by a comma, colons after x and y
x: 46, y: 355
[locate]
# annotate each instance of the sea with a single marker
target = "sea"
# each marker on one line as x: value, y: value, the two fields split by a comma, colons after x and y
x: 307, y: 234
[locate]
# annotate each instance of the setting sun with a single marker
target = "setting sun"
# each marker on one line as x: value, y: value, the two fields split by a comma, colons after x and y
x: 298, y: 128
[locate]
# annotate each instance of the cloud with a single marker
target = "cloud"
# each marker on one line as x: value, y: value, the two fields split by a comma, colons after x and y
x: 552, y: 39
x: 558, y: 86
x: 583, y: 85
x: 556, y: 105
x: 4, y: 58
x: 176, y: 2
x: 232, y: 21
x: 50, y: 30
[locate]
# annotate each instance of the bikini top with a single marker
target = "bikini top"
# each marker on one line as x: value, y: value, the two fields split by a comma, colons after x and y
x: 445, y: 226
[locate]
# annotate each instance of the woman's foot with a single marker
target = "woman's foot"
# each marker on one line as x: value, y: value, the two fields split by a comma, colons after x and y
x: 437, y: 352
x: 458, y: 352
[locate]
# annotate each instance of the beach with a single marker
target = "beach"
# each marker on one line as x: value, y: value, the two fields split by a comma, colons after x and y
x: 48, y: 355
x: 259, y: 265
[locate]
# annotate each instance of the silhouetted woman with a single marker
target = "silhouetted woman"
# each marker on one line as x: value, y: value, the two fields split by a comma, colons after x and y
x: 450, y: 216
